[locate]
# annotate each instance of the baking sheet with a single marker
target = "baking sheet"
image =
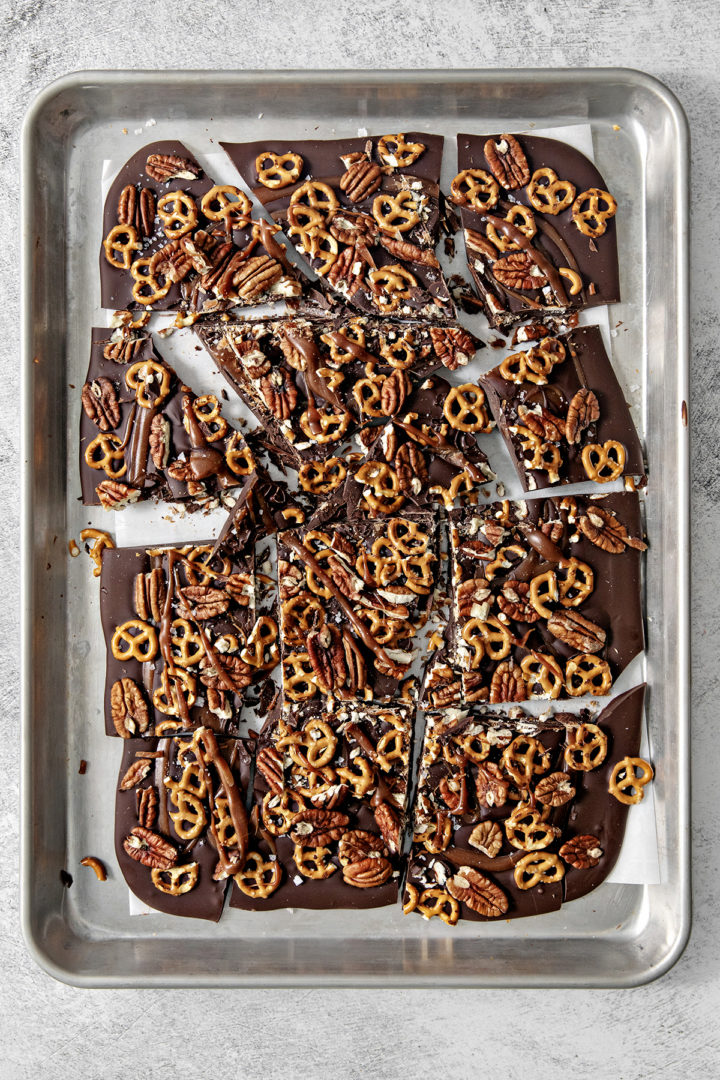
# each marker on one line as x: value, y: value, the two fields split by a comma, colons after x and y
x: 624, y: 934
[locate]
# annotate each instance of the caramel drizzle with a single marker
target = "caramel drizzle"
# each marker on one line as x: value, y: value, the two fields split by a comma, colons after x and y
x: 525, y: 244
x: 315, y: 383
x: 212, y: 755
x: 444, y: 449
x: 467, y: 857
x: 348, y: 345
x: 205, y: 460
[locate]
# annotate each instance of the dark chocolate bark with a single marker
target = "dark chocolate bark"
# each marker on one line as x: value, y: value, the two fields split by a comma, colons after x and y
x: 535, y: 244
x: 365, y: 213
x: 563, y: 414
x: 181, y: 809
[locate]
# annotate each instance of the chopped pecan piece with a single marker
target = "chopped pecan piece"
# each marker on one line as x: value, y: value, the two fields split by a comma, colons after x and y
x: 269, y: 764
x: 508, y: 683
x: 487, y: 837
x: 159, y: 441
x: 128, y: 708
x: 279, y: 393
x: 513, y: 601
x: 100, y: 403
x: 346, y: 273
x: 583, y: 410
x: 122, y: 352
x: 474, y: 598
x: 352, y: 227
x: 348, y: 583
x: 147, y: 807
x: 481, y: 894
x: 317, y: 828
x: 531, y: 332
x: 239, y: 587
x: 475, y: 241
x: 164, y: 167
x: 206, y: 602
x: 135, y: 774
x: 554, y: 790
x: 576, y: 631
x: 491, y: 786
x: 148, y: 848
x: 290, y: 579
x: 582, y: 852
x: 507, y: 162
x: 361, y: 178
x: 388, y: 822
x: 518, y: 270
x: 545, y: 425
x: 172, y: 262
x: 453, y: 346
x: 603, y: 529
x: 474, y: 686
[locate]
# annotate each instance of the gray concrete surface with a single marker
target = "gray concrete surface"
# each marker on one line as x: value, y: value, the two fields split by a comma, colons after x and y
x: 668, y: 1029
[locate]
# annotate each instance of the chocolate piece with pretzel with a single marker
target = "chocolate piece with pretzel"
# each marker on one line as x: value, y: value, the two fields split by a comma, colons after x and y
x: 513, y: 816
x: 330, y: 797
x: 352, y: 600
x: 184, y: 639
x: 181, y: 820
x: 174, y: 240
x: 364, y: 212
x: 144, y: 433
x: 546, y: 596
x: 539, y: 226
x: 562, y: 412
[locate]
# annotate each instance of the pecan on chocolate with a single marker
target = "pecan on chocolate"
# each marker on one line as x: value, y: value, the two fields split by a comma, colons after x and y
x: 474, y: 687
x: 453, y: 791
x: 233, y: 672
x: 481, y: 894
x: 348, y: 583
x: 531, y: 332
x: 554, y: 790
x: 100, y: 403
x: 491, y: 787
x: 493, y: 532
x: 128, y: 708
x: 361, y: 178
x: 583, y: 410
x: 343, y: 544
x: 553, y: 530
x: 475, y: 241
x: 147, y: 807
x: 115, y: 496
x: 581, y: 852
x: 279, y: 393
x: 270, y: 765
x: 135, y: 774
x: 256, y: 276
x: 395, y: 389
x: 576, y: 631
x: 453, y: 346
x: 122, y: 352
x: 475, y: 549
x: 148, y: 848
x: 164, y: 167
x: 205, y: 601
x: 545, y: 425
x: 172, y: 262
x: 155, y: 594
x: 603, y: 529
x: 145, y: 215
x: 388, y: 822
x: 290, y: 579
x: 507, y: 162
x: 358, y: 844
x: 317, y: 828
x: 327, y: 657
x: 367, y: 873
x: 448, y: 693
x: 208, y: 254
x: 487, y: 837
x: 403, y: 249
x: 346, y: 273
x: 159, y: 441
x: 518, y: 270
x: 127, y: 205
x: 474, y: 598
x: 508, y: 683
x: 410, y: 467
x: 254, y: 361
x: 351, y: 227
x: 513, y: 602
x: 239, y: 587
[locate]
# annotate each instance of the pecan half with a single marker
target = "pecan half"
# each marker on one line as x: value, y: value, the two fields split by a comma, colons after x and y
x: 207, y: 602
x: 554, y: 790
x: 361, y: 178
x: 394, y: 391
x: 410, y: 467
x: 145, y: 216
x: 135, y: 774
x: 603, y: 529
x: 518, y: 270
x: 507, y: 162
x: 583, y: 410
x: 239, y: 587
x: 348, y: 583
x: 582, y: 852
x: 513, y: 602
x: 148, y: 848
x: 453, y: 346
x: 368, y: 873
x: 474, y: 687
x: 163, y: 167
x: 346, y: 273
x: 487, y: 837
x: 128, y: 708
x: 403, y: 249
x: 475, y: 241
x: 359, y: 844
x: 172, y: 262
x: 122, y: 352
x: 474, y: 598
x: 352, y: 227
x: 159, y: 441
x: 147, y: 805
x: 317, y: 828
x: 127, y: 205
x: 545, y: 425
x: 114, y: 495
x: 270, y: 766
x: 481, y: 894
x: 508, y: 683
x: 254, y: 361
x: 531, y: 332
x: 491, y: 787
x: 279, y: 393
x: 256, y: 276
x: 150, y: 594
x: 233, y: 671
x: 100, y: 403
x: 388, y: 822
x: 327, y: 657
x: 576, y: 631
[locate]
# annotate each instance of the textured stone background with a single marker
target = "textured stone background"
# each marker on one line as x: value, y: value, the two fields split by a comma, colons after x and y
x: 668, y: 1029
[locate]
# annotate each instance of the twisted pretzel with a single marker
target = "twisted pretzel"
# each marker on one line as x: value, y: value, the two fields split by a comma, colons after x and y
x: 317, y: 196
x: 238, y: 455
x: 103, y: 451
x: 407, y: 537
x: 464, y: 409
x: 259, y: 878
x: 143, y: 376
x: 134, y: 640
x: 147, y: 289
x: 382, y: 486
x: 121, y: 241
x: 587, y: 674
x: 527, y: 831
x: 273, y: 171
x: 187, y: 646
x: 177, y: 880
x: 437, y: 902
x: 534, y: 870
x: 522, y: 218
x: 541, y: 670
x: 592, y: 210
x: 217, y: 205
x: 390, y: 285
x: 190, y: 818
x: 313, y: 862
x: 207, y: 410
x: 360, y: 776
x: 548, y: 194
x: 476, y: 188
x: 322, y: 477
x: 166, y: 696
x: 586, y: 747
x: 261, y: 650
x: 395, y: 214
x: 524, y: 758
x: 298, y: 677
x: 543, y: 588
x: 400, y: 352
x: 317, y: 244
x: 577, y: 584
x: 299, y: 615
x: 629, y: 778
x: 395, y: 151
x: 488, y: 637
x: 178, y: 212
x: 603, y: 463
x: 332, y: 426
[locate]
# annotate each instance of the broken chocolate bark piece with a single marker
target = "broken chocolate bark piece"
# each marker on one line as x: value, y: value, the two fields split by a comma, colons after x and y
x: 364, y: 212
x: 539, y: 227
x: 562, y: 412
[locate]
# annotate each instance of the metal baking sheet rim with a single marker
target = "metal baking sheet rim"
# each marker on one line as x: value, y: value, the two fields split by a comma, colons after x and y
x: 680, y: 916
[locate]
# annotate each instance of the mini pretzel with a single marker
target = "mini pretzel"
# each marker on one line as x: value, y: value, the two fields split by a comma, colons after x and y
x: 438, y: 902
x: 352, y: 332
x: 166, y: 696
x: 603, y: 463
x: 379, y: 570
x: 501, y: 561
x: 586, y: 747
x: 537, y: 454
x: 313, y: 862
x: 317, y: 196
x: 488, y: 637
x: 407, y: 537
x: 294, y: 515
x: 320, y: 744
x: 475, y: 747
x: 386, y: 630
x: 134, y: 640
x: 187, y: 646
x: 261, y: 650
x: 547, y: 194
x: 419, y: 573
x: 540, y: 669
x: 403, y: 154
x: 527, y: 831
x: 238, y: 456
x: 410, y: 900
x: 368, y: 395
x: 190, y: 818
x: 532, y: 870
x: 199, y: 572
x: 383, y: 484
x: 533, y: 366
x: 148, y: 378
x: 119, y: 245
x: 359, y: 776
x: 217, y: 205
x: 400, y: 352
x: 102, y: 540
x: 592, y: 210
x: 299, y: 615
x: 279, y: 811
x: 629, y: 778
x: 103, y: 451
x: 278, y: 170
x: 437, y: 835
x: 395, y: 214
x: 313, y: 582
x: 259, y: 877
x: 524, y: 758
x: 178, y: 212
x: 332, y: 426
x: 176, y: 881
x: 147, y: 289
x: 522, y: 218
x: 577, y: 583
x: 302, y: 218
x: 390, y: 285
x: 298, y: 677
x: 390, y: 748
x: 587, y: 674
x: 543, y: 588
x: 317, y: 244
x: 207, y: 410
x: 464, y: 409
x: 316, y: 540
x: 322, y: 477
x: 476, y: 188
